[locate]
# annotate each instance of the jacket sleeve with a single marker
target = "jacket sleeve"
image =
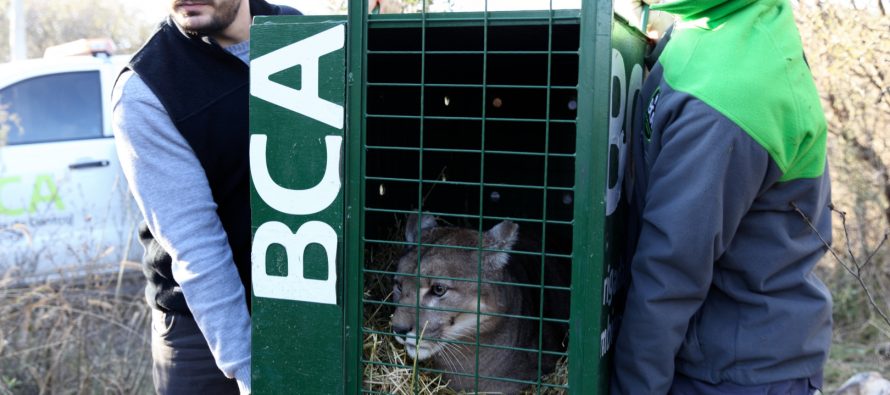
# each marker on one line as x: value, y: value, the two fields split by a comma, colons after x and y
x: 173, y: 194
x: 702, y: 181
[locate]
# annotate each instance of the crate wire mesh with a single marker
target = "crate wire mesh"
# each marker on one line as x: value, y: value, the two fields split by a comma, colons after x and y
x: 470, y: 118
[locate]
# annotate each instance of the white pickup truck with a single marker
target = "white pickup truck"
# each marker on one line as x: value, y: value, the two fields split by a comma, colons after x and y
x: 64, y: 205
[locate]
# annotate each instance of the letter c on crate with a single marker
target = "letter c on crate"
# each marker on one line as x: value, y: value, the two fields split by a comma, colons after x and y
x: 296, y: 201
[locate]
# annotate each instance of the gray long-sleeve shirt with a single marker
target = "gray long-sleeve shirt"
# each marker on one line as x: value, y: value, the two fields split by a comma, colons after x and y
x: 173, y: 194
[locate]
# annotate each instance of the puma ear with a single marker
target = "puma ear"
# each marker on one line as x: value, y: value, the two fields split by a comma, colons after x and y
x: 411, y: 228
x: 501, y: 237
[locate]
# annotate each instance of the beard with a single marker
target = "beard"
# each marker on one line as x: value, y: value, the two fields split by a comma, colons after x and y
x: 223, y: 15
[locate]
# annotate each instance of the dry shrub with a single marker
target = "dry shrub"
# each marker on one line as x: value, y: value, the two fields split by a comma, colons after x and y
x: 87, y: 335
x: 848, y: 53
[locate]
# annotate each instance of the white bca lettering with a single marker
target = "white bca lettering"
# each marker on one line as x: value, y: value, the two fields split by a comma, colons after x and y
x: 617, y: 142
x: 294, y: 286
x: 296, y: 201
x: 621, y: 113
x: 303, y: 53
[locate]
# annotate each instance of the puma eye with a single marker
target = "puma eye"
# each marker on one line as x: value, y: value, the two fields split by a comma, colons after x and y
x: 438, y: 289
x: 397, y: 290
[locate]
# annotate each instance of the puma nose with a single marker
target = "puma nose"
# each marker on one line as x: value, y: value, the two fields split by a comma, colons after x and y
x: 401, y: 329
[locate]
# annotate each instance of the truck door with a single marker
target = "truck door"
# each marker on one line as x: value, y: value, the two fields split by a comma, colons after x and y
x: 62, y: 198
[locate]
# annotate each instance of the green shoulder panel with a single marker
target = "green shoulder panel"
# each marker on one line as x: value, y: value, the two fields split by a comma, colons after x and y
x: 744, y: 58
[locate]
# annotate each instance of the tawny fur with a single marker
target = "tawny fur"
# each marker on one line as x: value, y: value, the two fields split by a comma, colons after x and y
x: 464, y: 296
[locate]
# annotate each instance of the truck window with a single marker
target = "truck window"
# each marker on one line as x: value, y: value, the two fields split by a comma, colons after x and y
x: 64, y: 106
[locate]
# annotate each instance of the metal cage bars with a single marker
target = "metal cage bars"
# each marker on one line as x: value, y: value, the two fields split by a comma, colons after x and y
x: 421, y: 149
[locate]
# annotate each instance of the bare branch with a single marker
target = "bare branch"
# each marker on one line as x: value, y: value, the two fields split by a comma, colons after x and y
x: 846, y: 235
x: 872, y: 254
x: 857, y: 273
x: 826, y: 243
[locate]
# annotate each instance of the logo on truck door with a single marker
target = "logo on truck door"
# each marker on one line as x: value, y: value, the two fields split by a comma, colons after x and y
x: 44, y: 194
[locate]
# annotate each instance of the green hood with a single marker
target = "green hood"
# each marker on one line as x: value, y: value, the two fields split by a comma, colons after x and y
x: 712, y: 11
x: 744, y: 58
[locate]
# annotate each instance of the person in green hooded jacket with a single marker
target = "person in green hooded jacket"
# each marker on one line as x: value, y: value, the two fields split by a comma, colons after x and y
x: 731, y: 210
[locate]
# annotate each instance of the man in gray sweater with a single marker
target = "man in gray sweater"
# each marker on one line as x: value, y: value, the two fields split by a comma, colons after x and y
x: 180, y: 120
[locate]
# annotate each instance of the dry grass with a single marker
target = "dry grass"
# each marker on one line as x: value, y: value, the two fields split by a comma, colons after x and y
x: 77, y: 337
x: 861, y: 339
x: 391, y: 371
x: 74, y: 336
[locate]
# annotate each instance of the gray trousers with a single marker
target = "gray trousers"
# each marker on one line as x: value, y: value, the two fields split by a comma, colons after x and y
x: 182, y: 362
x: 684, y: 385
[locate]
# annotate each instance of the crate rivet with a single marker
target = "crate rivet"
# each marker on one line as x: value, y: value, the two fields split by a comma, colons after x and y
x: 495, y: 196
x: 497, y: 102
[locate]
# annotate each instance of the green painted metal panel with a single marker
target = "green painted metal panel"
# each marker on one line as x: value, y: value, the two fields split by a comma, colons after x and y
x: 628, y: 52
x: 611, y: 72
x: 297, y: 121
x: 585, y: 365
x: 357, y: 74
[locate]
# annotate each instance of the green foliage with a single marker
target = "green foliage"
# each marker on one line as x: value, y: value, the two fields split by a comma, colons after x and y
x: 8, y: 385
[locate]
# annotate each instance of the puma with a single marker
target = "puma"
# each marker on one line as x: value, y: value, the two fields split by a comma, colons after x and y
x: 443, y: 329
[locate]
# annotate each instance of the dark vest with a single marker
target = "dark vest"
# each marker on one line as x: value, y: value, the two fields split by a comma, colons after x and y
x: 205, y: 91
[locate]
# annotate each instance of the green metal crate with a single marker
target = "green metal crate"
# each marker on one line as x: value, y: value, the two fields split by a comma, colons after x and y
x: 358, y: 122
